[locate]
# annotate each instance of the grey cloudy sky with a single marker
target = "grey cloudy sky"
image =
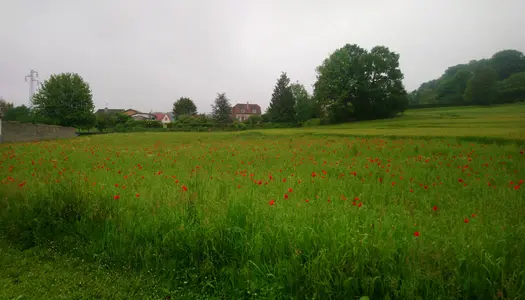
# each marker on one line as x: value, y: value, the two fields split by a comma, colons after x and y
x: 146, y: 54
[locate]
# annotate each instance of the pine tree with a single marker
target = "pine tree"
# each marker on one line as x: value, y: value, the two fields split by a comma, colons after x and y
x: 282, y: 105
x: 222, y: 110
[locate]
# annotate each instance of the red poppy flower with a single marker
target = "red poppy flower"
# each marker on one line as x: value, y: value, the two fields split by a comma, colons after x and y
x: 466, y: 220
x: 435, y: 208
x: 285, y: 196
x: 116, y: 197
x: 272, y: 202
x: 290, y: 190
x: 416, y: 234
x: 137, y: 195
x: 184, y: 188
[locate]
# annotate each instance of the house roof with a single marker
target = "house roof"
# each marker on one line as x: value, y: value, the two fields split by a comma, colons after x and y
x: 109, y: 110
x: 248, y: 108
x: 160, y: 116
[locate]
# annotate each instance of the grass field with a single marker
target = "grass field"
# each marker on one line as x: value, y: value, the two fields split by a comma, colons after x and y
x: 318, y: 213
x: 470, y: 123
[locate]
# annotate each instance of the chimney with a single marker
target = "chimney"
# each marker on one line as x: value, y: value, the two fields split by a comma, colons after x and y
x: 248, y: 107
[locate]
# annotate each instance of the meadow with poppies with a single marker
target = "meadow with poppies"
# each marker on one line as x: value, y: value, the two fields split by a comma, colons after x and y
x: 304, y: 215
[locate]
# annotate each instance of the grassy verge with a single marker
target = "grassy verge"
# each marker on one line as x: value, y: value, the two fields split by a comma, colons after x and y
x: 43, y: 273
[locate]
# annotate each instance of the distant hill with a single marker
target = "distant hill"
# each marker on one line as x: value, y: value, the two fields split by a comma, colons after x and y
x: 502, y: 76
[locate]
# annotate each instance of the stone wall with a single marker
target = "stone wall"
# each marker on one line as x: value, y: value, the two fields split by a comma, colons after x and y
x: 27, y: 132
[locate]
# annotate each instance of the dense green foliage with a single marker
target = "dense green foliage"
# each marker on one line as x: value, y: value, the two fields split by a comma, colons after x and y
x: 184, y: 106
x: 20, y: 113
x: 123, y: 123
x: 4, y: 106
x: 304, y: 103
x: 491, y: 76
x: 222, y: 110
x: 512, y: 88
x: 65, y: 99
x: 25, y: 114
x: 481, y: 87
x: 353, y: 83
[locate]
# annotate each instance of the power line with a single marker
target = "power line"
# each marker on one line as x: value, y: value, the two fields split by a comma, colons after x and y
x: 33, y: 84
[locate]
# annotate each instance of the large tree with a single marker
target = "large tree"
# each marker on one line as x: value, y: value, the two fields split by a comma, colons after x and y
x: 508, y: 62
x: 4, y: 106
x: 184, y: 106
x: 65, y: 99
x: 451, y: 89
x: 304, y: 104
x: 512, y: 89
x: 481, y: 88
x: 353, y: 83
x: 222, y: 110
x: 282, y: 104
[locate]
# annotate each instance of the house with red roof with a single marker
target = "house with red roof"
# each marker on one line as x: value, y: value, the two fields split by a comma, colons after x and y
x: 163, y: 118
x: 242, y: 112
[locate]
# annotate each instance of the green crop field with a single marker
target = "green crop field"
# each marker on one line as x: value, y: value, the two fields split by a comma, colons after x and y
x: 430, y: 205
x: 506, y: 122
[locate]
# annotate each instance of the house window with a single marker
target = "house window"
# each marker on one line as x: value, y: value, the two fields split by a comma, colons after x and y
x: 254, y: 111
x: 242, y: 110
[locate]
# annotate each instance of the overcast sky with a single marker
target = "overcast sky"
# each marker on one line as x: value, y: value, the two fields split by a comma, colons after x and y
x: 146, y: 54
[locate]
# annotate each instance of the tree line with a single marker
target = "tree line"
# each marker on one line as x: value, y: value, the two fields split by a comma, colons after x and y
x: 352, y: 83
x: 499, y: 79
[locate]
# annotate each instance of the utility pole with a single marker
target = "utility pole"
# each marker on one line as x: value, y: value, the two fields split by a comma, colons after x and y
x: 33, y: 83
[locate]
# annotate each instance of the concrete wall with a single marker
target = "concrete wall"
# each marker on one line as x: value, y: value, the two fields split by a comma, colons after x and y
x: 27, y: 132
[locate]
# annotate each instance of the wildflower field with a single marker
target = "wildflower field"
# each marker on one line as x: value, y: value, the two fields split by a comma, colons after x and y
x: 254, y: 215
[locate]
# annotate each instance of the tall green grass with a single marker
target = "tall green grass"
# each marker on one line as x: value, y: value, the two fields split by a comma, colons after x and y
x: 224, y: 236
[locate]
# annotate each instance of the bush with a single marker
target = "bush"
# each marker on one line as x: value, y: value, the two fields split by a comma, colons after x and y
x: 253, y: 120
x: 312, y: 122
x: 120, y: 128
x: 151, y: 124
x: 240, y: 126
